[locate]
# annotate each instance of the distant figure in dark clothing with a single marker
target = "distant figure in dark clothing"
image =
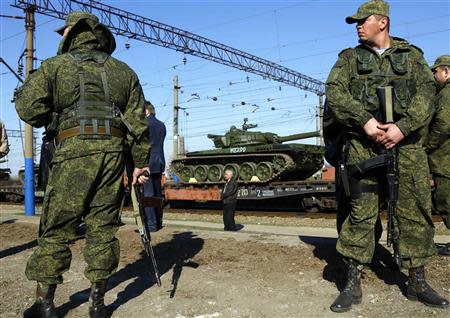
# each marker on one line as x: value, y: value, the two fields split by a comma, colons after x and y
x: 229, y: 199
x: 157, y: 165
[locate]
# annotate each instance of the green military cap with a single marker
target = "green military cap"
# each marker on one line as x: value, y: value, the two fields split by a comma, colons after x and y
x: 443, y: 60
x: 75, y: 16
x: 367, y: 9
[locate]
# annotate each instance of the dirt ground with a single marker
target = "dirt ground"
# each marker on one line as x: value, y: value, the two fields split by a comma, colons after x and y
x: 217, y: 274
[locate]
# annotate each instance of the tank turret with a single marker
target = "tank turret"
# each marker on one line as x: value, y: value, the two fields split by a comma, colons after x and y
x: 241, y: 137
x: 253, y: 156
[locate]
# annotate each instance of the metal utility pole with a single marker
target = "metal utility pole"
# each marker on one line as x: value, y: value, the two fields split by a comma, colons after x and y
x: 175, y: 117
x: 29, y: 158
x: 321, y: 119
x: 317, y: 123
x: 182, y: 148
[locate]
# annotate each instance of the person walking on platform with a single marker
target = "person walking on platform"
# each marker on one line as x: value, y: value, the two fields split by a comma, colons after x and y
x: 438, y: 143
x: 381, y: 60
x: 229, y: 200
x: 157, y: 165
x: 100, y: 106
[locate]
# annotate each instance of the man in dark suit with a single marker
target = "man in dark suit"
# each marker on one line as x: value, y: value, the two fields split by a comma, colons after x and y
x: 229, y: 199
x: 157, y: 164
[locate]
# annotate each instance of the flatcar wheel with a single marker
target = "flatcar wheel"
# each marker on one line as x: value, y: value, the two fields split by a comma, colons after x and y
x: 233, y: 167
x: 247, y: 170
x: 201, y: 173
x: 215, y: 173
x: 264, y: 170
x: 186, y: 173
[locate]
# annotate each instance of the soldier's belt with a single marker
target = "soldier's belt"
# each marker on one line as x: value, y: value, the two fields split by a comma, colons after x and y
x: 88, y: 130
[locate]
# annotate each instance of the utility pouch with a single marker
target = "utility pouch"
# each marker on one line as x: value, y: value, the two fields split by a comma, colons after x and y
x: 92, y: 110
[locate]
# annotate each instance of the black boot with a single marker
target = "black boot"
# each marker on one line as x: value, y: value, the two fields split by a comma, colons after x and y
x: 444, y: 250
x: 352, y: 293
x: 43, y: 307
x: 418, y: 289
x: 98, y: 308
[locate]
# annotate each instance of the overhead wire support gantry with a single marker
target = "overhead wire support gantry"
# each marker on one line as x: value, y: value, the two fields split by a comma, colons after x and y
x: 144, y: 29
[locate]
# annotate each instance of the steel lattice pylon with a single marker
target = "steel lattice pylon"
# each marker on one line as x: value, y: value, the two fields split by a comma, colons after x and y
x: 143, y: 29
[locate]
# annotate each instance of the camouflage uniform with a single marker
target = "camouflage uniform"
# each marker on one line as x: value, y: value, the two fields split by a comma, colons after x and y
x: 86, y: 175
x: 352, y: 101
x: 438, y: 145
x: 4, y: 147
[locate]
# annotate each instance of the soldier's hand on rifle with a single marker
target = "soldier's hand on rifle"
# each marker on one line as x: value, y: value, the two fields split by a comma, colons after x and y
x: 138, y: 175
x: 371, y: 129
x: 393, y: 135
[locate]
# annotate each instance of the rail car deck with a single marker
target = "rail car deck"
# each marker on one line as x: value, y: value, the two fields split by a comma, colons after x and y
x: 299, y: 195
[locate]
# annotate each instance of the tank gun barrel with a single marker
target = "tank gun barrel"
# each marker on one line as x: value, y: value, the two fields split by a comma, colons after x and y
x: 299, y: 136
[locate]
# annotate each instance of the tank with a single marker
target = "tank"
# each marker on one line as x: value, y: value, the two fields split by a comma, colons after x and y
x: 253, y: 156
x: 11, y: 189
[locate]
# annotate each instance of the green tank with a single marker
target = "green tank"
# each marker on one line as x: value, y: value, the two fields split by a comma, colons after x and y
x: 253, y: 156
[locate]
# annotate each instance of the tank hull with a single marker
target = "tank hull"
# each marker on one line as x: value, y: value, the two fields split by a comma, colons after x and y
x: 254, y: 164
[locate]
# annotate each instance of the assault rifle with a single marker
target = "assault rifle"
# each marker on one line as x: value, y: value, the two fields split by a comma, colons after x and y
x: 385, y: 95
x: 139, y: 203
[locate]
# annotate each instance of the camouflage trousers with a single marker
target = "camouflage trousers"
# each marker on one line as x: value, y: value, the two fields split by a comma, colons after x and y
x: 414, y: 229
x: 442, y: 198
x: 88, y: 187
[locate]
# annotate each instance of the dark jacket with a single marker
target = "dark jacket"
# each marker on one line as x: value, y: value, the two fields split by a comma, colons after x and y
x: 157, y: 134
x: 229, y: 192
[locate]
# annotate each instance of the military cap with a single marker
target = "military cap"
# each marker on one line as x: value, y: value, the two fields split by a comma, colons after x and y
x: 75, y: 16
x: 443, y: 60
x: 367, y: 9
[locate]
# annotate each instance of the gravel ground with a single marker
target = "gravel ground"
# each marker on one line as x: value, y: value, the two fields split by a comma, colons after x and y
x: 218, y: 274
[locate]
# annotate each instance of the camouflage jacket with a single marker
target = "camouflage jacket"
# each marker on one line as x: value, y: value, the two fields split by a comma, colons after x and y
x: 351, y: 88
x: 438, y: 145
x: 4, y: 147
x: 55, y: 86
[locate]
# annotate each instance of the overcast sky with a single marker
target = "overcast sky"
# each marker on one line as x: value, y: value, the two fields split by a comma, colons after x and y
x: 305, y: 36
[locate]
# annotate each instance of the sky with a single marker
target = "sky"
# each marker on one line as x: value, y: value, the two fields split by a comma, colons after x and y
x: 305, y: 36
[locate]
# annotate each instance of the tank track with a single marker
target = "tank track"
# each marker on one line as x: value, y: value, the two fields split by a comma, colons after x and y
x: 178, y: 164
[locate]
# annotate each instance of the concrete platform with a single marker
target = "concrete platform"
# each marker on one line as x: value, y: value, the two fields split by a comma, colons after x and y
x: 10, y: 214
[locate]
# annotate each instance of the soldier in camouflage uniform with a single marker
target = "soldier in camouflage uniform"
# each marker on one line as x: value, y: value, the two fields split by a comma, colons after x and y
x: 4, y: 147
x: 381, y: 60
x: 438, y: 144
x: 100, y: 106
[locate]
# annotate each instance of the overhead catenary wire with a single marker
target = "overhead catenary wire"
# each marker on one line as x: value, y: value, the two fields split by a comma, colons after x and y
x: 215, y: 75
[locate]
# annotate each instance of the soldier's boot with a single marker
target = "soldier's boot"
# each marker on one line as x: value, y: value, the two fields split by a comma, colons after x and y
x: 352, y: 293
x: 98, y: 308
x: 418, y: 289
x: 43, y: 307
